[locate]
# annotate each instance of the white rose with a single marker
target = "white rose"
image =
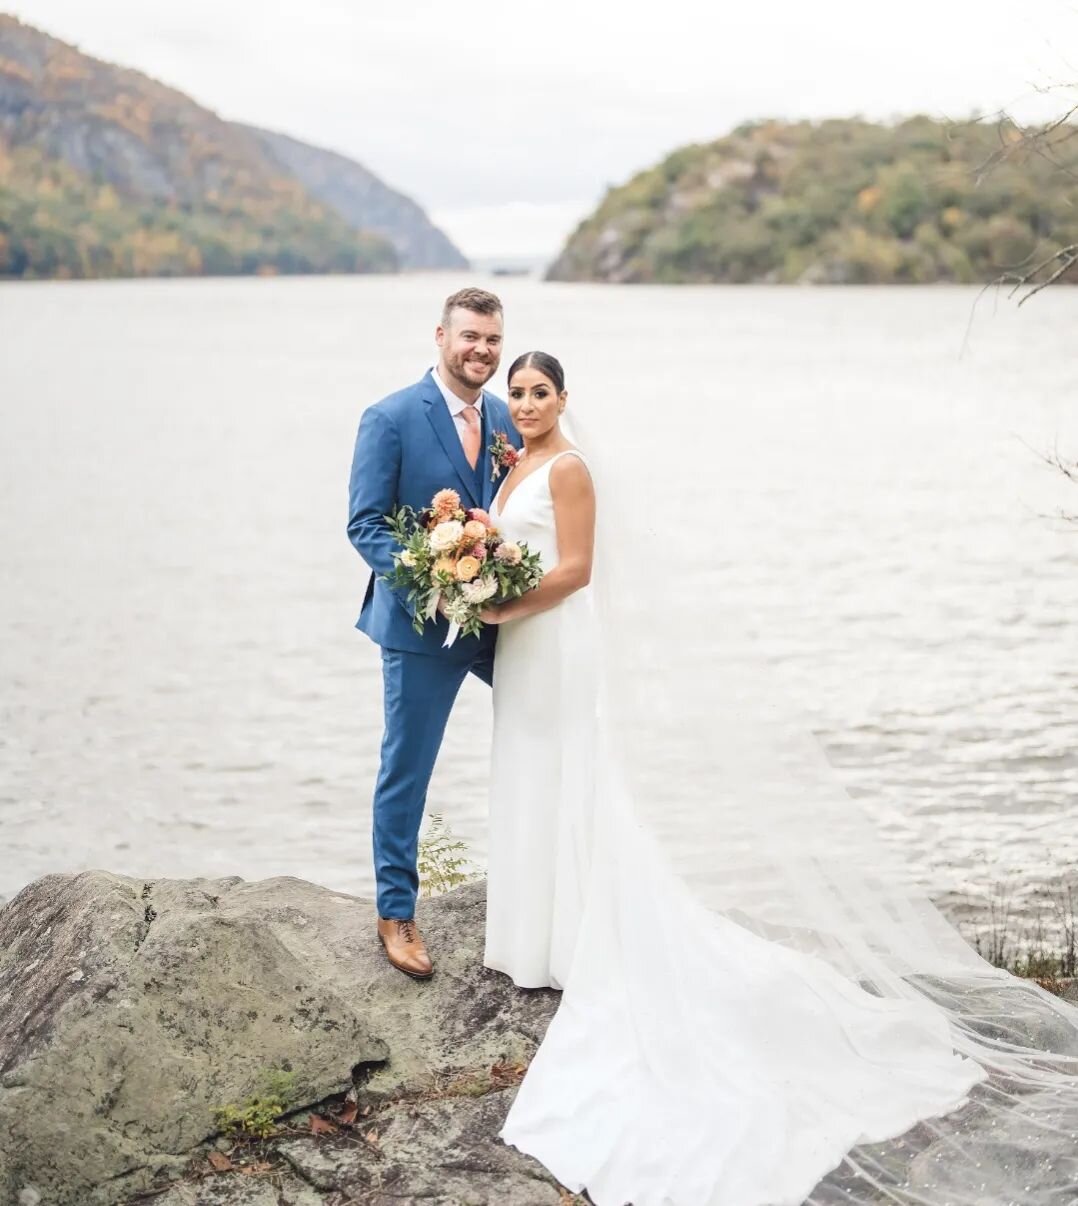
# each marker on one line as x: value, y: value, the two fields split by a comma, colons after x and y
x: 446, y: 536
x: 480, y: 590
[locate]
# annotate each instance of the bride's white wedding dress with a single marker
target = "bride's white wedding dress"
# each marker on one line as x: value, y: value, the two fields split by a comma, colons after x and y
x: 691, y: 1062
x: 542, y: 762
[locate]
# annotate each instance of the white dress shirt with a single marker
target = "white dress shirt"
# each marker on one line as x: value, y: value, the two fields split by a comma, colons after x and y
x: 456, y: 407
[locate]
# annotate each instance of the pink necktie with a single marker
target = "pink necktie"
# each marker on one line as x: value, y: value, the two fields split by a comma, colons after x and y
x: 472, y: 435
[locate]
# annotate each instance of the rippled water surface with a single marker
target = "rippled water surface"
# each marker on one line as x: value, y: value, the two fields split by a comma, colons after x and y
x: 183, y: 692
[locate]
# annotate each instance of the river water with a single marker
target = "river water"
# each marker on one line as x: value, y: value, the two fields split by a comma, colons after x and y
x: 183, y: 692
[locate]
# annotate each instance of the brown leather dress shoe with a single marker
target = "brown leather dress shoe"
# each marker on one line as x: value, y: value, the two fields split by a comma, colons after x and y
x: 405, y: 948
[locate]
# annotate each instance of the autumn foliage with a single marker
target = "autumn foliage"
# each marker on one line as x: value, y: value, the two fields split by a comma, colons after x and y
x: 105, y: 172
x: 842, y: 202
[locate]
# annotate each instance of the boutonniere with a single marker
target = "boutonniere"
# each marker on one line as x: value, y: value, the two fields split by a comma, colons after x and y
x: 502, y: 455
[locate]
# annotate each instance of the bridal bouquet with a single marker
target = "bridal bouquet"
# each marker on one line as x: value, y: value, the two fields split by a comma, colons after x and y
x: 456, y: 556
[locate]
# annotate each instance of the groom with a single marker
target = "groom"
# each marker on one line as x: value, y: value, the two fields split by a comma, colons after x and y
x: 425, y: 438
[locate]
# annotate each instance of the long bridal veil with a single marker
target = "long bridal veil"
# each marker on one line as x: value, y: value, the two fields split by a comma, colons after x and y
x: 728, y: 794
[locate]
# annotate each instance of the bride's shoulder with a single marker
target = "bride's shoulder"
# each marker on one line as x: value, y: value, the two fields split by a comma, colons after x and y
x: 569, y: 470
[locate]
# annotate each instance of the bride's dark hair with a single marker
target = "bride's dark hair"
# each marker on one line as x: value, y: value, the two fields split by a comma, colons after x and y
x: 542, y: 361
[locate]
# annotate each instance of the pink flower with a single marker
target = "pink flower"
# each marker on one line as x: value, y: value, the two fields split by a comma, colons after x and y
x: 479, y: 551
x: 479, y: 516
x: 502, y: 455
x: 508, y: 552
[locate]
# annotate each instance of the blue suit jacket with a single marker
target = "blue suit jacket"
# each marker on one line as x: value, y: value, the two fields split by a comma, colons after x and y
x: 407, y: 449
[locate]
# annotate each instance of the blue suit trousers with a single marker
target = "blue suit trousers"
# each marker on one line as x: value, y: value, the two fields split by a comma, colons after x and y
x: 419, y: 692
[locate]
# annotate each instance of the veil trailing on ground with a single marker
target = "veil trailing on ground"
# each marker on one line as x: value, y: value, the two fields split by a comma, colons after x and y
x: 706, y: 760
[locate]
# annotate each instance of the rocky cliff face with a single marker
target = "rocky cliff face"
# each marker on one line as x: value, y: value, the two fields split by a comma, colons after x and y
x: 364, y: 201
x: 125, y: 129
x: 106, y: 172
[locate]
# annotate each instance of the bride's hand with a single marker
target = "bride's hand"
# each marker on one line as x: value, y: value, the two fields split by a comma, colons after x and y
x: 491, y: 615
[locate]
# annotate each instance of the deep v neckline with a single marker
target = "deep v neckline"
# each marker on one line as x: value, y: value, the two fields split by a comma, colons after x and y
x: 499, y: 504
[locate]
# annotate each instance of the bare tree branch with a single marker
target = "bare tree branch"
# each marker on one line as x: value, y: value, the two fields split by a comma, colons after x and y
x: 1064, y: 259
x: 1069, y: 469
x: 1035, y: 140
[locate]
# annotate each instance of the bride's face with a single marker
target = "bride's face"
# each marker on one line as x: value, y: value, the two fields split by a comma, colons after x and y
x: 534, y: 403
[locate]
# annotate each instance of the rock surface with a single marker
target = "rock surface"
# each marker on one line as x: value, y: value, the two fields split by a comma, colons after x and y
x: 130, y: 1009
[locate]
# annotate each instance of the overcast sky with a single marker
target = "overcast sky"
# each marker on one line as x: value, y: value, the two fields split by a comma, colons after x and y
x: 507, y: 121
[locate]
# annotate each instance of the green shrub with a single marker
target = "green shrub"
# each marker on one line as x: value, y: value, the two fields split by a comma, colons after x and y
x: 256, y: 1118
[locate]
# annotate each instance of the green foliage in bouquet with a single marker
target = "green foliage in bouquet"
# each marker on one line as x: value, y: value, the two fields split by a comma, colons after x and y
x: 415, y: 574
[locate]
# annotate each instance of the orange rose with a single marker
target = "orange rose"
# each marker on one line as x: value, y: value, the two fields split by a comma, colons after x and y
x: 474, y: 530
x: 467, y: 568
x: 446, y: 566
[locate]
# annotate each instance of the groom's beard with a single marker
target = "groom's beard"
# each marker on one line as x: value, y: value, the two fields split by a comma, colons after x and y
x: 473, y: 373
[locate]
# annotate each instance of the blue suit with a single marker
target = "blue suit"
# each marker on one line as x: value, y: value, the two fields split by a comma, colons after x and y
x: 408, y: 449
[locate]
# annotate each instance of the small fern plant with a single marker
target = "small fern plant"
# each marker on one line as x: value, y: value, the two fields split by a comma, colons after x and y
x: 443, y: 860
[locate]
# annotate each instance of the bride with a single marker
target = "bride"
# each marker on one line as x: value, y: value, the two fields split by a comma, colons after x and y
x: 756, y: 1010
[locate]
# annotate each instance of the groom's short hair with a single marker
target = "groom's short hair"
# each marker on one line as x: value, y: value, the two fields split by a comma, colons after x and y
x: 479, y: 301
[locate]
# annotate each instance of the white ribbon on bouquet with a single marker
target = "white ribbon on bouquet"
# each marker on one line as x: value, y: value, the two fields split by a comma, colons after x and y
x: 454, y: 627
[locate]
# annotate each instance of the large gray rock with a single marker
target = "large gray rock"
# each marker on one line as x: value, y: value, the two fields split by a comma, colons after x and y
x: 130, y: 1009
